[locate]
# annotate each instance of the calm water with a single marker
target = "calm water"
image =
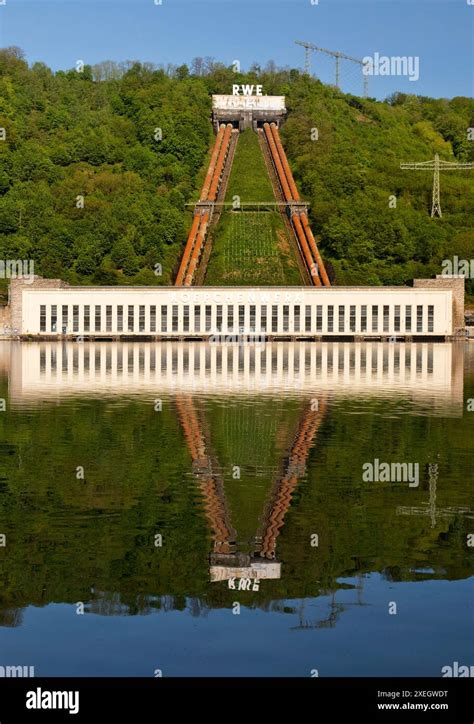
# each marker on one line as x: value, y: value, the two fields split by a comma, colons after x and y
x: 245, y: 464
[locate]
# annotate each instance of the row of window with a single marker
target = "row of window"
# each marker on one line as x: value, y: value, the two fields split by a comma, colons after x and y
x: 133, y: 359
x: 297, y: 318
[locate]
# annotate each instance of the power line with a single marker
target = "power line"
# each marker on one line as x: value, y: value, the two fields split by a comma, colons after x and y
x: 338, y: 56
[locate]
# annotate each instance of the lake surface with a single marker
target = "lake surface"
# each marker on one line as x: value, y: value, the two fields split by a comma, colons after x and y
x: 202, y: 509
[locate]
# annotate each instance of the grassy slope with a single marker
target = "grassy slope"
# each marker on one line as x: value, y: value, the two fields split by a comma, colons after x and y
x: 249, y: 178
x: 251, y: 247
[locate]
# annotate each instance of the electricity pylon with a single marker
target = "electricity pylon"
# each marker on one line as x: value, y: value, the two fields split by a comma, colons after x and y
x: 436, y: 166
x: 309, y: 47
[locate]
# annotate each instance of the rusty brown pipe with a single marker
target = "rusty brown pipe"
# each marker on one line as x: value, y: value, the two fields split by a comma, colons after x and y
x: 277, y: 163
x: 310, y: 262
x: 315, y: 250
x: 220, y: 163
x: 193, y: 262
x: 197, y: 249
x: 212, y: 163
x: 197, y: 218
x: 187, y: 250
x: 284, y: 162
x: 296, y: 197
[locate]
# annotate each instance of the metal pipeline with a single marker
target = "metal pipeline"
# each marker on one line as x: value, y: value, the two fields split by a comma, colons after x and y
x: 277, y: 162
x: 310, y: 263
x: 196, y: 252
x: 212, y: 163
x: 220, y: 163
x: 197, y: 249
x: 296, y: 197
x: 315, y: 250
x: 208, y: 192
x: 284, y: 162
x: 187, y: 250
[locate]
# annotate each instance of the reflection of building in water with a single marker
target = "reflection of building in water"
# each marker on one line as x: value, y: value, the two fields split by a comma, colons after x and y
x: 226, y: 561
x: 431, y: 372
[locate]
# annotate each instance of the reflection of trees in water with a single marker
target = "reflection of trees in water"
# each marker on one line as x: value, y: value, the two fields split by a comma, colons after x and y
x: 110, y: 603
x: 139, y: 481
x: 11, y: 617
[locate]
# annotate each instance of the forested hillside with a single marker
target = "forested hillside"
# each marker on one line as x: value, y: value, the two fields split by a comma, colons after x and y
x: 97, y: 167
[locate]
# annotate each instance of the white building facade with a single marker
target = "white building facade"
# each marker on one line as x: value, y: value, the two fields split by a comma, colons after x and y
x: 48, y: 309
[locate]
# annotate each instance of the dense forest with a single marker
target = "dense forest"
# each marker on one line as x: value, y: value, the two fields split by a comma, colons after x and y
x: 98, y: 164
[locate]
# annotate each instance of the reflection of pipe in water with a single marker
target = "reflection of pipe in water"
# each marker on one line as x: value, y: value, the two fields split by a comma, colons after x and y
x: 282, y: 494
x: 210, y: 483
x: 226, y: 562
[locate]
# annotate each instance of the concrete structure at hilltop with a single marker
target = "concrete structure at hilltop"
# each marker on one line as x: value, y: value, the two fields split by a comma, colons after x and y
x: 247, y: 111
x: 50, y: 308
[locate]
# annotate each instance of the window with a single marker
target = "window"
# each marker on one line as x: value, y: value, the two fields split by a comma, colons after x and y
x: 352, y: 319
x: 263, y: 318
x: 54, y: 317
x: 408, y: 318
x: 296, y: 317
x: 419, y: 318
x: 97, y: 317
x: 164, y: 318
x: 319, y: 318
x: 375, y: 318
x: 43, y: 318
x: 396, y: 320
x: 286, y: 317
x: 186, y: 318
x: 230, y: 318
x: 174, y: 318
x: 307, y: 318
x: 252, y: 317
x: 330, y: 318
x: 131, y: 318
x: 87, y: 318
x: 363, y: 318
x: 65, y: 319
x: 141, y: 318
x: 197, y: 318
x: 75, y: 318
x: 274, y: 318
x: 108, y: 318
x: 219, y: 317
x: 341, y: 317
x: 430, y: 318
x: 153, y: 318
x: 241, y: 318
x: 208, y: 317
x: 386, y: 318
x: 120, y: 318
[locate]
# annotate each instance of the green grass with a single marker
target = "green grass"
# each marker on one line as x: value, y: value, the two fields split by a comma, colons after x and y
x: 249, y: 178
x: 252, y: 248
x: 257, y: 445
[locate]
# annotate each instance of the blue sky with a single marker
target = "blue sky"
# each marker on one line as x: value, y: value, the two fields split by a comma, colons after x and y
x: 439, y: 32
